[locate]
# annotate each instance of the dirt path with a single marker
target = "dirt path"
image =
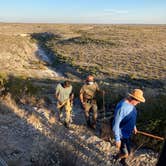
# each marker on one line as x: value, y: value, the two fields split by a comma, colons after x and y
x: 33, y: 136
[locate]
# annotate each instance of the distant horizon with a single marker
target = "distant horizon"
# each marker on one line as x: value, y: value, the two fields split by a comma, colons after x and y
x: 1, y: 22
x: 84, y: 11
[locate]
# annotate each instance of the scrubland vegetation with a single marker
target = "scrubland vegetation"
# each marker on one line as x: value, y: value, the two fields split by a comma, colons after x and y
x: 121, y: 57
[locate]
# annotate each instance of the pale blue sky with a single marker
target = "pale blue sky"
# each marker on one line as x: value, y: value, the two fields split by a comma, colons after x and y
x: 84, y: 11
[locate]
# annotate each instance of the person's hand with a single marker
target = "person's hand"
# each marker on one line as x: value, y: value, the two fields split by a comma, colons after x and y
x: 59, y: 102
x: 118, y: 144
x: 71, y: 102
x: 83, y: 104
x: 135, y: 130
x: 72, y: 96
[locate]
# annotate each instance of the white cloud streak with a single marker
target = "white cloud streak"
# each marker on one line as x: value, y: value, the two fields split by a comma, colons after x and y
x: 115, y: 11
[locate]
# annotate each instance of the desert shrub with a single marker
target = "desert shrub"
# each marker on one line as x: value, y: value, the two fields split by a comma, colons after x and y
x: 151, y: 115
x: 87, y: 40
x: 76, y: 88
x: 93, y: 70
x: 42, y: 37
x: 4, y: 109
x: 3, y: 79
x: 20, y: 87
x: 152, y: 119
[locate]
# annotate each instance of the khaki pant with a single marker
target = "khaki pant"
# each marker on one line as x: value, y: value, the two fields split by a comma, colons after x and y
x: 91, y: 104
x: 67, y: 106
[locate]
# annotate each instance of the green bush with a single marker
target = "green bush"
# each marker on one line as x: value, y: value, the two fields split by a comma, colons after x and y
x: 152, y: 119
x: 3, y: 79
x: 20, y: 87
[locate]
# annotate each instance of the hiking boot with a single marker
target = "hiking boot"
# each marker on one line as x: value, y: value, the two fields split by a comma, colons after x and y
x: 93, y: 126
x: 123, y: 162
x: 114, y: 159
x: 66, y: 125
x: 59, y: 119
x: 88, y: 123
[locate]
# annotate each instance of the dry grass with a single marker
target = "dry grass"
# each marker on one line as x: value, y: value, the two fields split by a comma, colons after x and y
x: 137, y: 51
x: 124, y: 54
x: 17, y: 54
x: 117, y: 50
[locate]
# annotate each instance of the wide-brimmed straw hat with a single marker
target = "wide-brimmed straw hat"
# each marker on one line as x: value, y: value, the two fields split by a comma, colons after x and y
x: 138, y: 95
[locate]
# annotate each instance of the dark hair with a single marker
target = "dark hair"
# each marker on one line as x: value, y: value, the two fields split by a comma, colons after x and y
x: 132, y: 98
x: 66, y: 83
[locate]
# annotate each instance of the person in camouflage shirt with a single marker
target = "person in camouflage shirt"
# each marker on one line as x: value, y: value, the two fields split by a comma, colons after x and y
x: 88, y: 99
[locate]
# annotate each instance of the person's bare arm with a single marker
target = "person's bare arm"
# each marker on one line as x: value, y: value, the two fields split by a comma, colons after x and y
x: 118, y: 144
x: 71, y: 97
x: 82, y: 99
x: 135, y: 130
x: 57, y: 94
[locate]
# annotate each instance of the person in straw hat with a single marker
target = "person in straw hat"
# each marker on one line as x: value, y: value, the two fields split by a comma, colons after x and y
x: 124, y: 123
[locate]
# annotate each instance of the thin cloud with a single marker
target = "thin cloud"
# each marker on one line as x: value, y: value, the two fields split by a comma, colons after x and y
x: 115, y: 11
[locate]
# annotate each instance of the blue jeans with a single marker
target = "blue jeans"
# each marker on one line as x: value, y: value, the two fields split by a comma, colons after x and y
x: 125, y: 146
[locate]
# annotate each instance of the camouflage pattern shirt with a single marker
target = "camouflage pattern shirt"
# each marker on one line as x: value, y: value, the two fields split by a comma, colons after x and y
x: 89, y: 91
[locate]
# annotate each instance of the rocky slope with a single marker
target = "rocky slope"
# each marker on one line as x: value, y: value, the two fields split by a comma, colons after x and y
x: 30, y: 134
x: 33, y: 136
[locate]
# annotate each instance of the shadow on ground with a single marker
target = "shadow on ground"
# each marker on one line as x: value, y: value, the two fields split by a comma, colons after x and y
x: 34, y: 137
x: 64, y: 65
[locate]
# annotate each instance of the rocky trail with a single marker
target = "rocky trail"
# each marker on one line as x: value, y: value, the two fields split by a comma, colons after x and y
x: 32, y: 135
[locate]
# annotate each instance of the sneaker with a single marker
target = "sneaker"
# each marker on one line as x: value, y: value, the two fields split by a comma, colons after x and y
x: 115, y: 159
x: 60, y: 119
x: 66, y: 125
x: 123, y: 162
x: 93, y: 126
